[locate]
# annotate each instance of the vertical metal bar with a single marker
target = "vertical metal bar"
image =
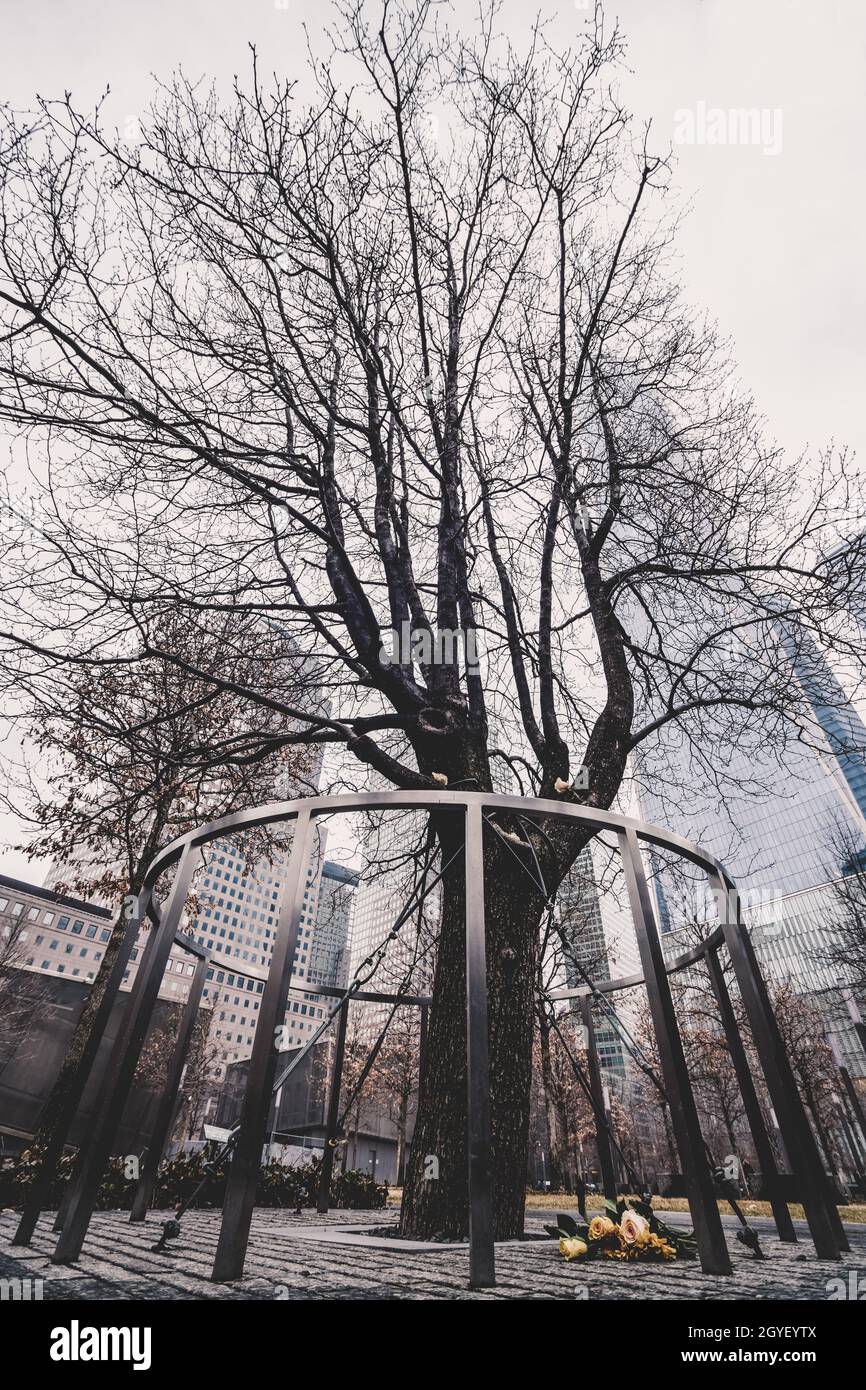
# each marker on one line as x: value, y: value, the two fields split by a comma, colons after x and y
x: 333, y: 1112
x: 482, y: 1262
x: 796, y: 1131
x: 853, y: 1100
x: 700, y: 1188
x: 602, y: 1128
x: 121, y: 1066
x: 147, y: 951
x: 39, y: 1191
x: 170, y: 1098
x: 244, y: 1171
x: 761, y: 1139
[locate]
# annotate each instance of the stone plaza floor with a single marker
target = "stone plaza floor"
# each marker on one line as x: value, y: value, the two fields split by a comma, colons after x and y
x: 313, y: 1257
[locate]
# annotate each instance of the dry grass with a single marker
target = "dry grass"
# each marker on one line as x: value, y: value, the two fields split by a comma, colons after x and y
x: 552, y: 1201
x: 562, y: 1201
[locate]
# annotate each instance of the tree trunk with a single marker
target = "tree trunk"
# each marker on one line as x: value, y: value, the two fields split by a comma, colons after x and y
x: 437, y: 1206
x: 402, y: 1120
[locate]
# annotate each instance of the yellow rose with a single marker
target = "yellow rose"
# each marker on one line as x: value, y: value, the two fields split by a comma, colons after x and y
x: 601, y: 1226
x: 572, y: 1248
x: 666, y: 1250
x: 635, y: 1229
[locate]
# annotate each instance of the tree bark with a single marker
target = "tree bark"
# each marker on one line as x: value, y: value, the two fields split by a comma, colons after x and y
x: 437, y: 1207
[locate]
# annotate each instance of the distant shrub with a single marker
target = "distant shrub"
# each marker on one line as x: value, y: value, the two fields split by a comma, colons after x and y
x: 278, y: 1185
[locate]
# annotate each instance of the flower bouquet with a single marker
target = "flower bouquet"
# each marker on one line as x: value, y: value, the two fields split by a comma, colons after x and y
x: 629, y: 1230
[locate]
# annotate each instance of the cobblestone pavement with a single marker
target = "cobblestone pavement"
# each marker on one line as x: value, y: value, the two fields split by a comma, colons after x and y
x: 118, y: 1263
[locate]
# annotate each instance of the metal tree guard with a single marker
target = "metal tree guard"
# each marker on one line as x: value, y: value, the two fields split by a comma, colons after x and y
x: 821, y: 1214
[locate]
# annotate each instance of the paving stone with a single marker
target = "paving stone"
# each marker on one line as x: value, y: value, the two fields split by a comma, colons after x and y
x: 286, y: 1262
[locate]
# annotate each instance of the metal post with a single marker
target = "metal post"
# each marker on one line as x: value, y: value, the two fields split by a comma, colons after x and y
x: 149, y: 946
x: 482, y: 1261
x: 856, y: 1109
x: 121, y: 1066
x: 700, y: 1188
x: 602, y: 1128
x: 853, y: 1100
x: 751, y: 1104
x: 821, y: 1213
x: 168, y: 1101
x: 40, y: 1190
x: 244, y: 1171
x: 333, y: 1112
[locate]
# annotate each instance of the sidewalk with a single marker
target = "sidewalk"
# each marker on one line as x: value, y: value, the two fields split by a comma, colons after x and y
x: 289, y: 1259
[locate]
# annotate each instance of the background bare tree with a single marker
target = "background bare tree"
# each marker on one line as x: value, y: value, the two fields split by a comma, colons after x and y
x: 363, y: 367
x: 21, y: 1000
x: 120, y: 759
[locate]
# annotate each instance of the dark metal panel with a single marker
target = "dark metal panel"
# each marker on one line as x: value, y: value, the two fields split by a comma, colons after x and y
x: 760, y: 1137
x: 246, y: 1161
x: 800, y: 1145
x: 700, y: 1188
x: 482, y: 1264
x: 38, y: 1193
x: 168, y: 1103
x: 121, y: 1067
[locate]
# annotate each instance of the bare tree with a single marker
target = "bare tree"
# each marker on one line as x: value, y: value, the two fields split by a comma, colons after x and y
x: 407, y: 359
x: 21, y: 1000
x: 129, y: 756
x: 843, y: 944
x: 394, y: 1078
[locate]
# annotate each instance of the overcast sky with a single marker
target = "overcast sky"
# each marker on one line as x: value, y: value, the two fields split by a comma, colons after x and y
x: 773, y: 244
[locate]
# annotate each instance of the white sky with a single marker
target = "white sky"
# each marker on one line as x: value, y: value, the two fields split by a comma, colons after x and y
x: 773, y: 244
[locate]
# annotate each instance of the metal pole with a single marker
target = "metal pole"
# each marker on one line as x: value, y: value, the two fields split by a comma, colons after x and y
x: 821, y: 1213
x: 333, y: 1113
x: 121, y: 1066
x: 751, y: 1104
x: 149, y: 945
x: 700, y: 1188
x: 854, y: 1100
x: 39, y: 1191
x: 168, y: 1102
x: 850, y: 1092
x: 482, y: 1261
x: 246, y: 1161
x: 602, y: 1128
